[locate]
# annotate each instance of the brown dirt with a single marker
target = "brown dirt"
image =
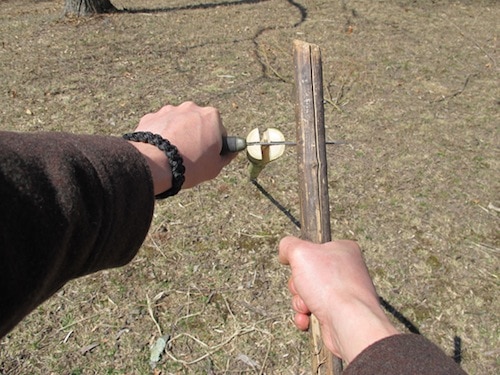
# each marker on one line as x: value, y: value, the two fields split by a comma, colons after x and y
x: 413, y: 86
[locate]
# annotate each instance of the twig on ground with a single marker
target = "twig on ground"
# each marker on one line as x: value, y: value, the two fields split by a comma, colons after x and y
x: 267, y: 64
x: 156, y: 246
x: 266, y: 356
x: 212, y: 350
x: 458, y: 92
x: 459, y: 29
x: 150, y: 311
x: 486, y: 248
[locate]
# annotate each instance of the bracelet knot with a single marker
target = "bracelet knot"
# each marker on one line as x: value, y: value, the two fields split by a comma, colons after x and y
x: 174, y: 159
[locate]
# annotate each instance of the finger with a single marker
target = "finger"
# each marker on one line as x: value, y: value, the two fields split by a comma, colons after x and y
x: 302, y: 321
x: 288, y: 247
x: 218, y: 118
x: 291, y: 287
x: 165, y: 109
x: 189, y: 104
x: 285, y: 248
x: 299, y: 306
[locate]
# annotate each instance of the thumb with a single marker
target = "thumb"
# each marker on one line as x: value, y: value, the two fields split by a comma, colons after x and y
x: 287, y: 246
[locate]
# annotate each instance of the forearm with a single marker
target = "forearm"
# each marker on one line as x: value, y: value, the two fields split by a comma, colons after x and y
x: 407, y: 354
x: 70, y: 205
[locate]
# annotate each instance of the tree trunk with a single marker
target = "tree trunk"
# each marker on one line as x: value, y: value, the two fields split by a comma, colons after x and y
x: 87, y: 7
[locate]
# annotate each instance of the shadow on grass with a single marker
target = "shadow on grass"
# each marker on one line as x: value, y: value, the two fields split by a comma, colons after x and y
x: 302, y: 9
x: 399, y: 316
x: 282, y: 208
x: 190, y: 6
x: 457, y: 341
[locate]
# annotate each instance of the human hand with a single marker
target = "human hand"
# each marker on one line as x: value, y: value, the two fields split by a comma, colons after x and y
x: 196, y: 132
x: 332, y: 282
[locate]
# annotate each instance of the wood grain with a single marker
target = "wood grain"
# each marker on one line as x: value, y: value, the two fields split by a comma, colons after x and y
x: 312, y: 174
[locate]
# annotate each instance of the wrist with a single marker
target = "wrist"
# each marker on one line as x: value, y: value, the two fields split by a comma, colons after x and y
x: 173, y: 157
x: 360, y: 327
x: 158, y: 164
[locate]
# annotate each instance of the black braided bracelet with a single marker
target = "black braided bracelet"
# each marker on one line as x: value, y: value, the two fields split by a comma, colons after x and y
x: 174, y: 159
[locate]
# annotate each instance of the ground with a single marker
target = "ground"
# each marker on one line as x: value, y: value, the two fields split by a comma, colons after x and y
x: 412, y: 86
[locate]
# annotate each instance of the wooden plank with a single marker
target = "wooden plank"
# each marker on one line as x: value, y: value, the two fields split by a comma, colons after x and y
x: 312, y: 171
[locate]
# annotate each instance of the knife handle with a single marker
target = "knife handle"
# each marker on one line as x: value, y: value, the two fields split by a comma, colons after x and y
x: 233, y: 144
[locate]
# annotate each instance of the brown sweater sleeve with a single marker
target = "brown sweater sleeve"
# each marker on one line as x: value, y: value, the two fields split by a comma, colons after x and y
x: 407, y: 354
x: 69, y: 205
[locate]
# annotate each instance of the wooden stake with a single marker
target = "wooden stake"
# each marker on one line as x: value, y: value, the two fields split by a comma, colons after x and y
x: 313, y: 179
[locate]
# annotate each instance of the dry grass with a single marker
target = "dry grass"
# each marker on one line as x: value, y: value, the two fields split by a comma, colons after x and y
x: 413, y: 86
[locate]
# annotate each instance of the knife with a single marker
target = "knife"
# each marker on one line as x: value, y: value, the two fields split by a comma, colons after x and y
x: 237, y: 144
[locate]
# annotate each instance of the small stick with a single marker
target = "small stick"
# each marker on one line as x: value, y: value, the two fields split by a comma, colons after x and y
x: 312, y: 170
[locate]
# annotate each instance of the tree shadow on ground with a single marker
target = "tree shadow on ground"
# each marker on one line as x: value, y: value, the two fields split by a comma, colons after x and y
x: 302, y: 9
x: 190, y: 6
